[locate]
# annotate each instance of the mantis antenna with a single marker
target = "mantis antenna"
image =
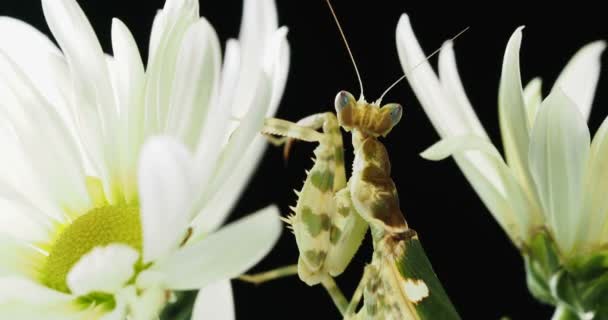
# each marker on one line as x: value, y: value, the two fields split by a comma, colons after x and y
x: 350, y: 53
x: 417, y: 65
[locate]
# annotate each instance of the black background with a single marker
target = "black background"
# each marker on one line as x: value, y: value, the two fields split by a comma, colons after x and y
x: 480, y: 269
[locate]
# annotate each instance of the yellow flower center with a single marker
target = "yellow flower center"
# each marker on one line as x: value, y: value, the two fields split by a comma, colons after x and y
x: 98, y: 227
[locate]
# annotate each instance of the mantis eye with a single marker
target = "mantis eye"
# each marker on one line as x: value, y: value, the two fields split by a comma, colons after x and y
x: 396, y: 111
x: 343, y: 99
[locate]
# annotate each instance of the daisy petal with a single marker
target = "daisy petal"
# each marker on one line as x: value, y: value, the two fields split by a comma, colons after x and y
x: 579, y: 78
x: 425, y: 84
x: 241, y: 141
x: 258, y: 24
x: 26, y: 300
x: 596, y: 202
x: 103, y: 269
x: 17, y: 257
x: 450, y: 80
x: 165, y: 191
x: 91, y: 80
x: 55, y: 159
x: 168, y: 31
x: 532, y: 99
x: 511, y: 208
x: 223, y: 254
x: 214, y: 302
x: 448, y: 119
x: 195, y: 84
x: 512, y: 110
x: 129, y: 81
x: 559, y: 150
x: 31, y: 50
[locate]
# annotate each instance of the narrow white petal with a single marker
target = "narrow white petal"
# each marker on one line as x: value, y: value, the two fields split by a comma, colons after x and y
x: 559, y: 150
x: 579, y: 78
x: 20, y: 219
x: 103, y: 269
x: 215, y: 211
x: 165, y: 23
x: 165, y: 191
x: 18, y: 257
x: 214, y: 301
x: 168, y: 31
x: 514, y: 123
x: 148, y: 304
x: 224, y: 254
x: 445, y: 114
x: 511, y: 207
x: 129, y: 88
x: 55, y: 159
x: 532, y: 99
x: 241, y: 140
x: 276, y: 64
x: 259, y: 22
x: 15, y: 290
x: 94, y: 97
x: 449, y: 146
x: 196, y: 83
x: 453, y: 89
x: 596, y: 202
x: 31, y: 50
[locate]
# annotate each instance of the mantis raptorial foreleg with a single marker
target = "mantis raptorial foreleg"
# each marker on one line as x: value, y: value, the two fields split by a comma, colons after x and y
x: 277, y: 273
x: 327, y: 230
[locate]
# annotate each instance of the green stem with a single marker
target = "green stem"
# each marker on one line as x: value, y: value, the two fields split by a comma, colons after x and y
x: 563, y: 313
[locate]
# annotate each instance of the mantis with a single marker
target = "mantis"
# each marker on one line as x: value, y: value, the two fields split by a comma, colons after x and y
x: 332, y: 214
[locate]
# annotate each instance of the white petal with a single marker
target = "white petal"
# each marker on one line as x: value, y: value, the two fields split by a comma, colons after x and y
x: 214, y: 301
x: 103, y: 269
x: 21, y: 220
x: 232, y: 155
x: 55, y: 159
x: 510, y: 207
x: 18, y: 258
x: 216, y: 210
x: 26, y: 300
x: 452, y: 87
x: 449, y: 146
x: 276, y: 64
x: 579, y: 78
x: 93, y: 98
x: 513, y: 116
x: 148, y: 304
x: 596, y: 202
x: 532, y: 99
x: 129, y: 71
x: 165, y: 190
x: 168, y: 30
x: 258, y: 25
x: 31, y: 50
x: 445, y: 114
x: 224, y: 254
x: 195, y: 85
x: 559, y: 150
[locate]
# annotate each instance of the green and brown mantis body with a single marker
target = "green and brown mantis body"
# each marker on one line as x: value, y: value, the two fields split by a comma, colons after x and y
x: 400, y: 282
x: 332, y: 216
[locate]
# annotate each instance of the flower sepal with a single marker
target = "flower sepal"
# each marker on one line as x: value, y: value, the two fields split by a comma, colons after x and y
x: 577, y: 287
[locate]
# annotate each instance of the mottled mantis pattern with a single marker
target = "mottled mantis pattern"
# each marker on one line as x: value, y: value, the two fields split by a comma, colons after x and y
x: 332, y: 216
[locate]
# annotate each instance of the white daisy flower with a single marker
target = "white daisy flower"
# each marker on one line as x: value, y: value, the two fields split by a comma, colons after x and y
x: 97, y: 224
x: 548, y: 194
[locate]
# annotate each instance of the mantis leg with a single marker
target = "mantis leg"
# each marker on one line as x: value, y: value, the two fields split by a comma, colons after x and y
x: 277, y: 273
x: 357, y: 295
x: 335, y: 293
